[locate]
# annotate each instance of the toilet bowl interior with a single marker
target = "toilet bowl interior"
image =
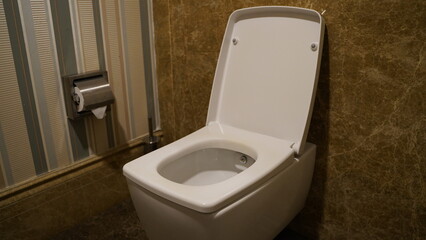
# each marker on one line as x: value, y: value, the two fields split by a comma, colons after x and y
x: 166, y: 171
x: 206, y: 166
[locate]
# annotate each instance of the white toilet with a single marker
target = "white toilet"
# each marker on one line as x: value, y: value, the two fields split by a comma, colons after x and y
x: 246, y: 174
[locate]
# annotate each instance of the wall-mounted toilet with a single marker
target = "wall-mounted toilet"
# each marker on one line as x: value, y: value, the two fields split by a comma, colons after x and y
x: 246, y: 174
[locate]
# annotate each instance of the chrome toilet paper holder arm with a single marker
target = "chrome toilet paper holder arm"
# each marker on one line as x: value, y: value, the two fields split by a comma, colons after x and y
x: 93, y: 87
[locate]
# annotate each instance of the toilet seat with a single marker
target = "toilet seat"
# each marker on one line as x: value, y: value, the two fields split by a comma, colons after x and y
x: 260, y: 106
x: 257, y: 107
x: 272, y: 155
x: 267, y: 72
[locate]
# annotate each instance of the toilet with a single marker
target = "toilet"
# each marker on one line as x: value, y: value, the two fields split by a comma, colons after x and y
x: 247, y: 172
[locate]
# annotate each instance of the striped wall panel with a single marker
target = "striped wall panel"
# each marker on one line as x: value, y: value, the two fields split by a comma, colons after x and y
x: 25, y: 85
x: 111, y: 29
x: 45, y: 75
x: 88, y: 35
x: 42, y: 40
x: 101, y: 56
x: 134, y: 70
x: 87, y: 57
x: 61, y: 17
x: 16, y: 156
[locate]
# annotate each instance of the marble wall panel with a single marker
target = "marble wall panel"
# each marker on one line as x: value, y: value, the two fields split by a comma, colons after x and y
x: 369, y: 119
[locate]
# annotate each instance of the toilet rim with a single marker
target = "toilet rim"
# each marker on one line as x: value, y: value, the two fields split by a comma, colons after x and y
x: 207, y: 143
x: 272, y: 155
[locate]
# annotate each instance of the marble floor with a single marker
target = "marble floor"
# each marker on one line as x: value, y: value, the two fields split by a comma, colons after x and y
x: 121, y: 222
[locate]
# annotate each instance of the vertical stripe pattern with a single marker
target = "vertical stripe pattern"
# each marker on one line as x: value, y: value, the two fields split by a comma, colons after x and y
x: 46, y: 79
x: 43, y: 40
x: 114, y: 65
x: 67, y: 63
x: 15, y: 146
x: 84, y: 27
x: 134, y: 62
x: 88, y: 35
x: 101, y: 55
x: 25, y: 86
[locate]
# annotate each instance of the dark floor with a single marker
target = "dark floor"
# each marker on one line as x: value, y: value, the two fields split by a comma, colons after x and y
x: 288, y: 234
x: 118, y: 222
x: 121, y: 222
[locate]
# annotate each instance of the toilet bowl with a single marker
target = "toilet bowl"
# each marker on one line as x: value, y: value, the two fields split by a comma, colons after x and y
x: 247, y: 173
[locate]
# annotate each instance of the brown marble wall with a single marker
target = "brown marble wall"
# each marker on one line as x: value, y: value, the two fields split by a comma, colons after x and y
x: 370, y: 116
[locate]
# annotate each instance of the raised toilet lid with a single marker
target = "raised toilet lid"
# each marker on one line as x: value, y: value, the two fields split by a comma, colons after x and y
x: 267, y: 72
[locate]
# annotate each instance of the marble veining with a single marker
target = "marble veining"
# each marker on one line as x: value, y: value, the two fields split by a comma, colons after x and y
x: 369, y: 120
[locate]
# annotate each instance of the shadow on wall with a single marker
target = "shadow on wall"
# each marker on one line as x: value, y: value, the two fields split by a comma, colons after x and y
x: 309, y: 220
x: 115, y: 134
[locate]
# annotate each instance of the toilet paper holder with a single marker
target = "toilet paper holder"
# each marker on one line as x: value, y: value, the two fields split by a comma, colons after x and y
x: 86, y: 92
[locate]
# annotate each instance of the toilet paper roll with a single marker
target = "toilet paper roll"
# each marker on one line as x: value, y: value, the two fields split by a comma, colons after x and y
x: 79, y: 99
x: 99, y: 112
